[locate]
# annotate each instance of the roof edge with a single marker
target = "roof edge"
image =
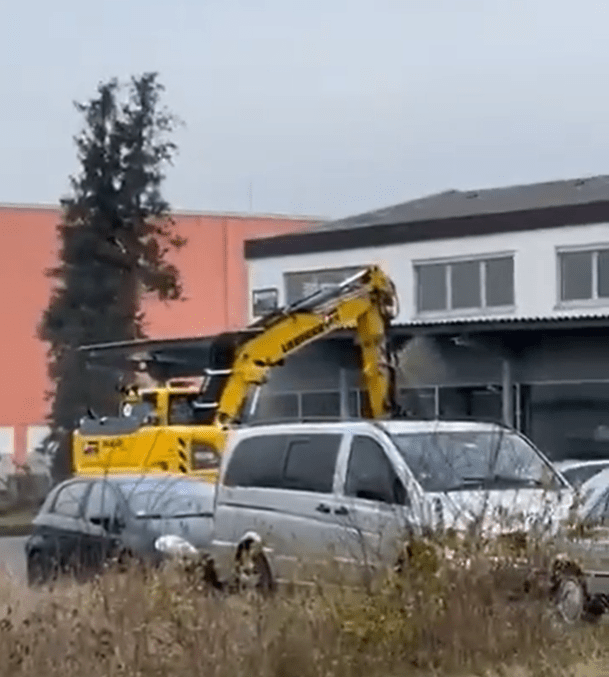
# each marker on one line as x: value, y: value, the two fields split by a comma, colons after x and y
x: 46, y: 206
x: 316, y: 241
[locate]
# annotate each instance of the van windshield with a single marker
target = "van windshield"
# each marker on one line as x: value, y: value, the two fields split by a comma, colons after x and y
x: 459, y: 461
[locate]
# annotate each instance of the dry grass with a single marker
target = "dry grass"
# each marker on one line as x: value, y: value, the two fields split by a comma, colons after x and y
x: 442, y: 617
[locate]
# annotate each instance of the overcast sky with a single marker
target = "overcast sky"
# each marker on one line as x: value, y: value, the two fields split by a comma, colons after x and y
x: 328, y: 107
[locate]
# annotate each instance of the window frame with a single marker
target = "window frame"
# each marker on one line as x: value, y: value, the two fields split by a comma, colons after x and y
x: 317, y: 271
x: 273, y: 291
x: 290, y: 439
x: 595, y: 299
x: 448, y: 262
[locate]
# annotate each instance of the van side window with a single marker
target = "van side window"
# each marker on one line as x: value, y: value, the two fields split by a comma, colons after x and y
x: 297, y: 462
x: 370, y: 474
x: 257, y: 462
x: 310, y: 462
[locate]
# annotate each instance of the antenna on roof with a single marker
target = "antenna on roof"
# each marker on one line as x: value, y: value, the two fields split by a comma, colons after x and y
x: 251, y: 195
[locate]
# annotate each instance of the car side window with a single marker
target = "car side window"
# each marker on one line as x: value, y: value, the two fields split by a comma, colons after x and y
x: 102, y: 501
x: 68, y: 501
x: 186, y: 500
x: 310, y: 462
x: 370, y: 474
x: 257, y: 462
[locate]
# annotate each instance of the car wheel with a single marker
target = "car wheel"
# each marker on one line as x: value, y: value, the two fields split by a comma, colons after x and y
x: 37, y: 569
x: 570, y: 599
x: 252, y: 571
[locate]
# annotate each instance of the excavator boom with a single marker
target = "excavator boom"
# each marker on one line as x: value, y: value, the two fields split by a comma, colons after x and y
x: 366, y: 302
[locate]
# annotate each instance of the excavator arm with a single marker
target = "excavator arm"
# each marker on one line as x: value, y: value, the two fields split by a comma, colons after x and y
x: 366, y: 302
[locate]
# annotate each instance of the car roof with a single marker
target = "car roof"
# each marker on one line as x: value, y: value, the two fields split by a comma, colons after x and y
x: 390, y: 426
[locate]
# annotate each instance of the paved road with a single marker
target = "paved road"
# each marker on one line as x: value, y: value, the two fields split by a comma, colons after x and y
x: 12, y: 558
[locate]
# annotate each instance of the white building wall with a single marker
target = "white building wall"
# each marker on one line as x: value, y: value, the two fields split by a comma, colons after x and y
x: 536, y: 288
x: 7, y: 450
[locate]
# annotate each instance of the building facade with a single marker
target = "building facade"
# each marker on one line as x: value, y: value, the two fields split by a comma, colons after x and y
x: 215, y: 282
x: 507, y: 291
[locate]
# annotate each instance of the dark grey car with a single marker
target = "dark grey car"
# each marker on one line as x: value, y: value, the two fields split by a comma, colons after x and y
x: 87, y: 522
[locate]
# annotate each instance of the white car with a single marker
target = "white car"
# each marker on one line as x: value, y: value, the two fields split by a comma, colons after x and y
x: 579, y: 472
x: 338, y: 500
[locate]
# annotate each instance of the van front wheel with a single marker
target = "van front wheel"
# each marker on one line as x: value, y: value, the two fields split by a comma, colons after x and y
x: 570, y: 599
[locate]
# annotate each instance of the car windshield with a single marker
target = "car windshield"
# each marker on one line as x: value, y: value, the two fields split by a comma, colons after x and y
x: 455, y: 461
x: 167, y: 498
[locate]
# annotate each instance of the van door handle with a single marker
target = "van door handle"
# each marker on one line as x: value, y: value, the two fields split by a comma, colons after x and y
x: 322, y: 507
x: 341, y: 511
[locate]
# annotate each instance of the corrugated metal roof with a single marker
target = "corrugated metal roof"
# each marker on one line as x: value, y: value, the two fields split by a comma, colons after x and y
x: 529, y: 322
x: 457, y: 203
x: 532, y: 318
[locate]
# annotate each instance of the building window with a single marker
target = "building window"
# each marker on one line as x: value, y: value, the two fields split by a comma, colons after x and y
x: 264, y: 301
x: 465, y: 285
x: 320, y: 404
x: 302, y: 284
x: 584, y: 275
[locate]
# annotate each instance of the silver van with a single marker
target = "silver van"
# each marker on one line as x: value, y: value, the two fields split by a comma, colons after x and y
x: 298, y: 501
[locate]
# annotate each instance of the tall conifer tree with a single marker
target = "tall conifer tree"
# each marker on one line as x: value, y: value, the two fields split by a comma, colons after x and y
x: 115, y: 234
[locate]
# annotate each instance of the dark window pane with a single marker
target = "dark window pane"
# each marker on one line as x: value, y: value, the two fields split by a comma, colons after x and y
x: 465, y: 279
x: 281, y: 406
x: 68, y: 501
x: 431, y: 287
x: 418, y: 402
x: 365, y: 403
x: 603, y: 273
x: 294, y: 284
x: 569, y: 420
x: 370, y: 474
x: 257, y: 462
x: 500, y: 282
x: 576, y: 276
x: 310, y: 463
x: 354, y: 404
x: 321, y: 404
x: 472, y: 402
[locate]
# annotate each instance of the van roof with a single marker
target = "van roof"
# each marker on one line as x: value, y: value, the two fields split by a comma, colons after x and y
x: 390, y: 426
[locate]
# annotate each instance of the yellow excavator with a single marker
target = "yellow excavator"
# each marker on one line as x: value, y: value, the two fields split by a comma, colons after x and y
x: 181, y: 427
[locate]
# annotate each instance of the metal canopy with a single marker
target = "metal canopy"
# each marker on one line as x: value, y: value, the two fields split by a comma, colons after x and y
x: 167, y: 358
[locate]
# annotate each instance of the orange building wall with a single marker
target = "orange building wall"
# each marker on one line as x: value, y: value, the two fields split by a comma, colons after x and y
x: 214, y: 276
x: 214, y: 273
